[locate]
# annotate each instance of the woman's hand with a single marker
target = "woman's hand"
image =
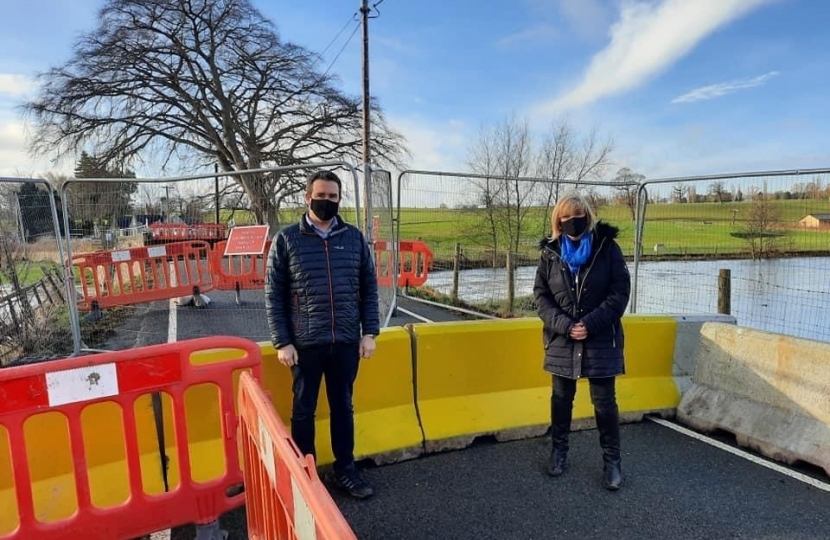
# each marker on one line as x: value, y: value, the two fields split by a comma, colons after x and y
x: 579, y: 332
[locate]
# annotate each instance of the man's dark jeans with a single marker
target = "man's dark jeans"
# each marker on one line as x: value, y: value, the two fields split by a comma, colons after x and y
x: 338, y: 363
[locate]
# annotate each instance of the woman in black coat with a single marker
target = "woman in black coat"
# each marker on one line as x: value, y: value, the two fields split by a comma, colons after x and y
x: 582, y: 288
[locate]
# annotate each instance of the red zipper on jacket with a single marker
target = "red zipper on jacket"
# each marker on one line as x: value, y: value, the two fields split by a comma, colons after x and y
x: 331, y: 291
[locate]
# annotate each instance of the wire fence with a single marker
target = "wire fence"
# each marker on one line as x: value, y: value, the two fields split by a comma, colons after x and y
x: 147, y: 256
x: 32, y: 284
x: 384, y: 242
x: 484, y: 232
x: 177, y: 274
x: 140, y: 258
x: 770, y: 229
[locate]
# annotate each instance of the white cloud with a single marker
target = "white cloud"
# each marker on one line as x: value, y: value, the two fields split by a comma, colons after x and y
x: 15, y: 160
x: 434, y: 146
x: 588, y: 18
x: 15, y: 85
x: 540, y: 33
x: 648, y: 38
x: 713, y: 91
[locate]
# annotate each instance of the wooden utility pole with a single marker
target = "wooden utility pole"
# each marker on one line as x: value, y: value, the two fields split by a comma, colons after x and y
x: 367, y: 181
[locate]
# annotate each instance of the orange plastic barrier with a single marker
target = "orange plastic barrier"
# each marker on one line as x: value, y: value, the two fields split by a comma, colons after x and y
x: 177, y: 232
x: 142, y: 274
x: 285, y: 498
x: 101, y: 405
x: 414, y: 264
x: 235, y: 272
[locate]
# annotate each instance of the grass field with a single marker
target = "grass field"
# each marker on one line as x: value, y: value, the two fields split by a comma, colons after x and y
x: 701, y: 229
x: 683, y: 229
x: 28, y: 273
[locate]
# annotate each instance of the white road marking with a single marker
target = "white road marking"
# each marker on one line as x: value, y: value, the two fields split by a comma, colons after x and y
x: 414, y: 315
x: 171, y: 325
x: 171, y: 338
x: 818, y: 484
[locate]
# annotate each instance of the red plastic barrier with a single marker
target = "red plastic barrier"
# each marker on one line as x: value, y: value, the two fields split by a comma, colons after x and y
x: 177, y: 232
x: 142, y: 274
x: 285, y: 498
x: 69, y: 386
x: 414, y: 263
x: 234, y: 272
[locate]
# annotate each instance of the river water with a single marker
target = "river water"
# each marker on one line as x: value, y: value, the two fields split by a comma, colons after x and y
x: 786, y: 296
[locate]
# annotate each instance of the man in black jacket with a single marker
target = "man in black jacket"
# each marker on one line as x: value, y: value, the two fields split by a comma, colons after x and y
x: 321, y: 300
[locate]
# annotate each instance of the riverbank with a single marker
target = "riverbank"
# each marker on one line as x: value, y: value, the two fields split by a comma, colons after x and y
x: 474, y: 263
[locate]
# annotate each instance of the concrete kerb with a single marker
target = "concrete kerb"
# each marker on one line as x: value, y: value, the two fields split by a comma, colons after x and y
x: 771, y: 391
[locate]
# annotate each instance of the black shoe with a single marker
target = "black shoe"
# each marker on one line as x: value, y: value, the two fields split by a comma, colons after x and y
x: 352, y: 483
x: 558, y: 462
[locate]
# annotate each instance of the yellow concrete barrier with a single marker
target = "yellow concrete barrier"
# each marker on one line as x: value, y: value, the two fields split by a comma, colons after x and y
x: 487, y: 378
x: 771, y: 391
x: 386, y: 423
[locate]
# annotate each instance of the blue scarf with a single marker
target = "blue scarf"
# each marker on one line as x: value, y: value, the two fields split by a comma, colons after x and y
x: 575, y: 255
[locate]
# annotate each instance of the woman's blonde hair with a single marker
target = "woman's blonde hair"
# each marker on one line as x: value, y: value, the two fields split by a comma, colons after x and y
x: 568, y: 204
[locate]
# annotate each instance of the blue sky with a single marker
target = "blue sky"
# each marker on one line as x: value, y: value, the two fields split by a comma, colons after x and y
x: 683, y: 86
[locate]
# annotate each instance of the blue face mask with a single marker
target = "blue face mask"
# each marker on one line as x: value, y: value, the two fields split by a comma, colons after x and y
x: 575, y: 226
x: 324, y: 209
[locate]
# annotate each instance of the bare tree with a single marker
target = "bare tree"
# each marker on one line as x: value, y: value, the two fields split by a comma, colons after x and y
x: 718, y: 190
x: 484, y: 161
x: 626, y: 187
x: 564, y: 156
x: 763, y: 228
x: 679, y: 192
x: 814, y: 188
x: 506, y: 151
x: 201, y: 82
x: 149, y: 198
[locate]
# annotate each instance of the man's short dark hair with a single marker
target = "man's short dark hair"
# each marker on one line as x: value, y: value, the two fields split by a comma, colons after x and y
x: 323, y: 175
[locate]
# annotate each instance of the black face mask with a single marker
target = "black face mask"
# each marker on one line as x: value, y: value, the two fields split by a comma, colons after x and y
x: 324, y: 209
x: 575, y: 226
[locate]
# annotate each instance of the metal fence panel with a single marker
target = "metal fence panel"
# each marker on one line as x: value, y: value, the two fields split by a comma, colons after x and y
x: 33, y: 289
x: 155, y: 240
x: 384, y: 240
x: 769, y: 229
x: 484, y: 232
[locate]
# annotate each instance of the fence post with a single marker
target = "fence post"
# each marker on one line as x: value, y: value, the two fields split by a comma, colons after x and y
x: 456, y: 269
x: 725, y: 291
x: 50, y: 275
x: 511, y: 282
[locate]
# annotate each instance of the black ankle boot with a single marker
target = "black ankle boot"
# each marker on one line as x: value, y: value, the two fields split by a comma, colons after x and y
x: 612, y: 475
x: 558, y: 462
x: 561, y: 411
x: 608, y: 424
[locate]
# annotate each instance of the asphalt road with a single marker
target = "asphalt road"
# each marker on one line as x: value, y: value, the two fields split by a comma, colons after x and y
x: 149, y: 324
x: 676, y: 487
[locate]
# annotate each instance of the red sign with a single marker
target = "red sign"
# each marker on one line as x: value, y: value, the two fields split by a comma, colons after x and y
x: 247, y: 240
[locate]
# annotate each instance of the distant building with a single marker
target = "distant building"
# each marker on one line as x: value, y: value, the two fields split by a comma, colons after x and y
x: 815, y: 221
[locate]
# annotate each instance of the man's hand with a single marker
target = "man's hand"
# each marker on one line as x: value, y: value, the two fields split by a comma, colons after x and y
x: 287, y: 355
x: 367, y: 346
x: 579, y: 332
